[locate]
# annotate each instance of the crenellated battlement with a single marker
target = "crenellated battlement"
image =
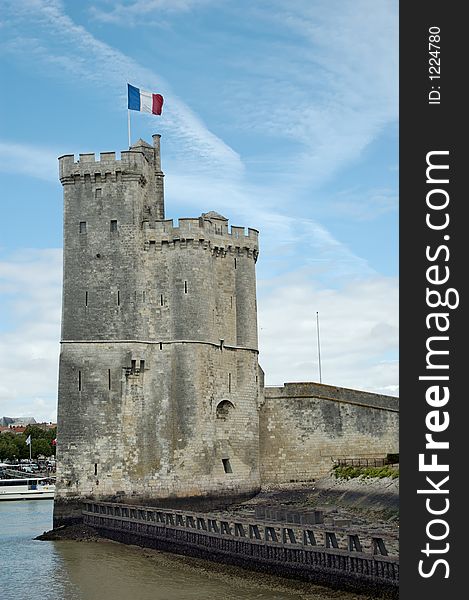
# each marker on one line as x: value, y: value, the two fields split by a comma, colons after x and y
x: 138, y: 160
x: 72, y: 171
x: 214, y: 231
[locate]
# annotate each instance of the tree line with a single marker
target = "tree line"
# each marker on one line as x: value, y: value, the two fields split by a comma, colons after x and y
x: 13, y: 445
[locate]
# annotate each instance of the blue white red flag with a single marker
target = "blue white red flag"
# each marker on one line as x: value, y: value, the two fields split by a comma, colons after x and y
x: 144, y: 101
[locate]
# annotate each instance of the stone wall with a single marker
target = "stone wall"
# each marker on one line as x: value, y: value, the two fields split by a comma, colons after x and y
x: 304, y: 427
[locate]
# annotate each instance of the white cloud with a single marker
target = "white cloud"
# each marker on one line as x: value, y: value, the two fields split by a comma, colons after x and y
x: 362, y: 205
x: 27, y: 159
x: 358, y: 332
x: 142, y: 11
x: 71, y: 46
x: 29, y: 346
x: 332, y: 92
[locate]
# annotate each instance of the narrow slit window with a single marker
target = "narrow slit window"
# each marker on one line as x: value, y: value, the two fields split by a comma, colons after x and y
x: 161, y: 299
x: 114, y: 225
x: 133, y: 366
x: 109, y: 379
x: 235, y: 262
x: 229, y: 382
x: 118, y: 298
x: 95, y: 469
x: 227, y: 465
x: 86, y: 298
x: 161, y: 345
x: 82, y: 226
x: 185, y: 287
x: 142, y: 366
x: 80, y: 382
x: 143, y: 296
x: 231, y: 301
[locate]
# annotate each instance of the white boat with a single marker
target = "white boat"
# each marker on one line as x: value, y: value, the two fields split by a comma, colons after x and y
x: 32, y: 488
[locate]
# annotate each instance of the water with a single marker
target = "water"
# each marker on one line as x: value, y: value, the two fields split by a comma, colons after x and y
x: 69, y: 570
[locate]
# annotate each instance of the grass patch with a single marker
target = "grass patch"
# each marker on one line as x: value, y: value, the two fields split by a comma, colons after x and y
x: 342, y: 472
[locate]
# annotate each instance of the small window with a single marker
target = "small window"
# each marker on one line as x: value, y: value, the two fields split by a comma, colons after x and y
x: 185, y: 287
x: 79, y: 381
x: 142, y: 366
x: 227, y: 465
x: 82, y: 226
x: 114, y: 225
x: 118, y: 298
x: 161, y: 299
x: 97, y: 193
x: 86, y: 298
x: 133, y: 366
x: 109, y: 379
x: 95, y: 469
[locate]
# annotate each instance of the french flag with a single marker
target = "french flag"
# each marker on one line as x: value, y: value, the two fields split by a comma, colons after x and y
x: 144, y: 101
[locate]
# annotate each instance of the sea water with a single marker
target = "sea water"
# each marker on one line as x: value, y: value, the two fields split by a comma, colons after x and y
x: 72, y: 570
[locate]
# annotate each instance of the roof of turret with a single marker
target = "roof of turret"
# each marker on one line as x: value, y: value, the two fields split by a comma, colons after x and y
x: 214, y: 215
x: 139, y: 143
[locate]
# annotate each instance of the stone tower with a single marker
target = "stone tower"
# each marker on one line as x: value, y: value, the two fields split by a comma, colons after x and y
x: 159, y: 380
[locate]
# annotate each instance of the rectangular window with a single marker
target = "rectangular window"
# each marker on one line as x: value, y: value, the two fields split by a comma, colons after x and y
x: 114, y: 225
x: 95, y: 469
x: 82, y: 226
x: 79, y: 381
x: 185, y: 287
x: 161, y: 345
x: 142, y: 366
x: 227, y: 465
x: 133, y: 366
x: 97, y: 193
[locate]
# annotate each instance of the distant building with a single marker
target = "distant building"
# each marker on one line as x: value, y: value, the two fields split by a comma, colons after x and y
x: 7, y: 421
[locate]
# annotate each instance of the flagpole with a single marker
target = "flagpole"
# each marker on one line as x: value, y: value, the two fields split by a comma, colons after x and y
x: 128, y: 124
x: 319, y: 348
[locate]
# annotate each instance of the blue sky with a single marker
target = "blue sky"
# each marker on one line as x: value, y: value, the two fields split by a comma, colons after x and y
x: 280, y: 115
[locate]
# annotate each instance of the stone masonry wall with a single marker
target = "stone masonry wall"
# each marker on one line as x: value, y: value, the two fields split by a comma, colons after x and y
x: 305, y: 426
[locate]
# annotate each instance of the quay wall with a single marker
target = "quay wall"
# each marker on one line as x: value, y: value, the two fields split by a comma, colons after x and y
x: 346, y: 559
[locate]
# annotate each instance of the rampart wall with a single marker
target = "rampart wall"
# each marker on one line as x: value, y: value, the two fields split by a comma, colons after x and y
x: 305, y: 427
